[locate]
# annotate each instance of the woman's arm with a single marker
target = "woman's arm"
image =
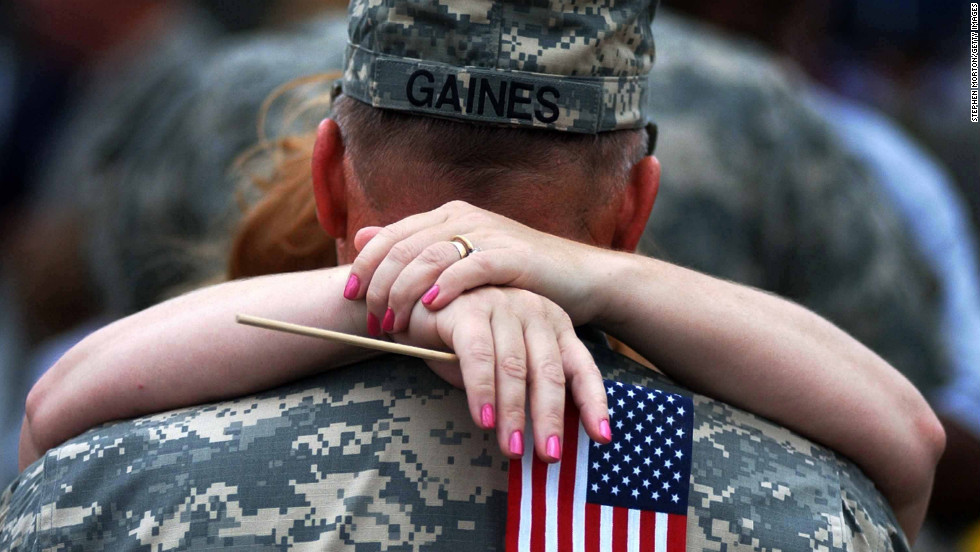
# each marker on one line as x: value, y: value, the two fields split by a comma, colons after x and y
x: 189, y: 350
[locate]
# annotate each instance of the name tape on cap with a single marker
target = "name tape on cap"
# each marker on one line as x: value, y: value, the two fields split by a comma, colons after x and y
x: 487, y: 95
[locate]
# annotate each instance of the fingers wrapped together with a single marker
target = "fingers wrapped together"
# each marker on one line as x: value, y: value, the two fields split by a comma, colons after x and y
x: 451, y: 276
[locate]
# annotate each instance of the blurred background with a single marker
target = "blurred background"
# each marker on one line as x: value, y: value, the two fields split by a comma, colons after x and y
x: 819, y: 149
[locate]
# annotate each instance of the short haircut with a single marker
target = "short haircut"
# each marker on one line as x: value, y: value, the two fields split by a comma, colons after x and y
x: 279, y: 232
x: 479, y: 159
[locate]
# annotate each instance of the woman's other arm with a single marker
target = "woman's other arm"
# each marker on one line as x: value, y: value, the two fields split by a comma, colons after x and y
x: 734, y: 343
x: 777, y: 359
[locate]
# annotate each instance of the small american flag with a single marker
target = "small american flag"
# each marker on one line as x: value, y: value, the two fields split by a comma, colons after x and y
x: 627, y: 496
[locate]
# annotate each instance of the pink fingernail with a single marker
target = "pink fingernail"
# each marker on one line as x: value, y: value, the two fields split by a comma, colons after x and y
x: 517, y: 442
x: 486, y: 416
x: 353, y: 284
x: 374, y: 328
x: 604, y: 430
x: 554, y: 447
x: 388, y: 323
x: 430, y: 295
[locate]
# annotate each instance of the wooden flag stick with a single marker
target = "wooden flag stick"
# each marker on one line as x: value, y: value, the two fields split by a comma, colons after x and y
x: 376, y: 344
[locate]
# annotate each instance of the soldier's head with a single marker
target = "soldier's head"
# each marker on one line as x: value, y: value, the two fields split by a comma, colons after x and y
x: 534, y: 110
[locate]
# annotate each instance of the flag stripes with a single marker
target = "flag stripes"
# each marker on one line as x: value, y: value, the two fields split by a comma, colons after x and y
x: 549, y: 508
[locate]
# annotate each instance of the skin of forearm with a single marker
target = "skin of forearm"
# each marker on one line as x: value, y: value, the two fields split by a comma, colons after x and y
x: 151, y: 361
x: 780, y: 361
x: 776, y: 359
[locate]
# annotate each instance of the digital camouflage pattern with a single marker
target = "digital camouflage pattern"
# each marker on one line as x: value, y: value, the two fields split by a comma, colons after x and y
x: 573, y: 66
x: 757, y: 189
x: 383, y: 456
x: 752, y: 182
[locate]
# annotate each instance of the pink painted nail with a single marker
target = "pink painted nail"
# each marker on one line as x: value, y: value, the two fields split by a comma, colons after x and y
x: 388, y: 323
x: 430, y: 295
x: 554, y: 447
x: 374, y: 327
x: 604, y: 430
x: 486, y: 416
x: 353, y: 284
x: 517, y: 442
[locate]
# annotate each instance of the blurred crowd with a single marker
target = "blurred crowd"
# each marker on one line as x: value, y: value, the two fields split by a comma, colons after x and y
x: 819, y: 150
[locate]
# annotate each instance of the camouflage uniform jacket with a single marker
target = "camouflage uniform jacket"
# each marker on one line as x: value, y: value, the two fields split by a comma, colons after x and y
x: 383, y: 456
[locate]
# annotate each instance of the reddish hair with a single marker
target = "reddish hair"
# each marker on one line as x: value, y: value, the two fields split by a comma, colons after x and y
x: 280, y: 232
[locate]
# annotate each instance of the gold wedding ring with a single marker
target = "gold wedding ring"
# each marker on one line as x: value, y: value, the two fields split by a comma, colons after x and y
x: 461, y: 249
x: 463, y: 245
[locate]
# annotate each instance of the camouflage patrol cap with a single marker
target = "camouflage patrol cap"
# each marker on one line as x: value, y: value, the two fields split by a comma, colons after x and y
x: 577, y: 66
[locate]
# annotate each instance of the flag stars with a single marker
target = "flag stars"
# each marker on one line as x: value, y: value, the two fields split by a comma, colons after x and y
x: 645, y: 463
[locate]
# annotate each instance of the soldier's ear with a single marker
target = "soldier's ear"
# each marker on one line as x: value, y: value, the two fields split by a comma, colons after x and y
x: 637, y: 201
x: 329, y: 185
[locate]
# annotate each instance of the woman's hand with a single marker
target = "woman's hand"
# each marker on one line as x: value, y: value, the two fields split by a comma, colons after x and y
x: 512, y: 342
x: 508, y: 339
x: 414, y: 259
